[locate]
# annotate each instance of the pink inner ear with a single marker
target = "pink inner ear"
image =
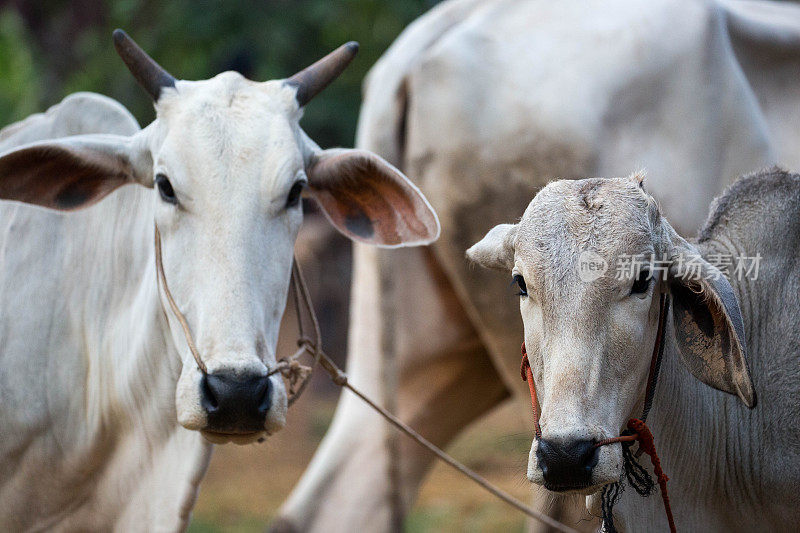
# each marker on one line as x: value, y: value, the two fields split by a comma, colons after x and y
x: 370, y: 201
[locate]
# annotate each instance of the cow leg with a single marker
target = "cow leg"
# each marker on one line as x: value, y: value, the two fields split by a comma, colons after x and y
x: 445, y: 380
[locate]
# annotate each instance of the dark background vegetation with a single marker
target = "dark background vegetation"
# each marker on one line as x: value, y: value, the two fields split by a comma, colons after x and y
x: 50, y: 48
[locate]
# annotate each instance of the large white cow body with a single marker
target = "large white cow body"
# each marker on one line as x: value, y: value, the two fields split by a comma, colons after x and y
x: 483, y: 103
x: 90, y: 439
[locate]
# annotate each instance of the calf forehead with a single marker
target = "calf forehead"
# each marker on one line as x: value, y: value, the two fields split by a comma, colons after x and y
x: 610, y: 217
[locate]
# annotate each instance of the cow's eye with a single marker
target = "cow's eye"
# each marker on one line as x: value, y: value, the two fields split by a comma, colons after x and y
x: 165, y: 189
x: 642, y: 283
x: 294, y: 194
x: 523, y: 289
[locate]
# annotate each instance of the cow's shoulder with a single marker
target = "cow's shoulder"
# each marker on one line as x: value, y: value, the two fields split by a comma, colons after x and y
x: 77, y: 114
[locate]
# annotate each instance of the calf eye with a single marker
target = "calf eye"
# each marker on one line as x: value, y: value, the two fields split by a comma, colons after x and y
x: 165, y: 189
x: 523, y: 289
x: 642, y: 283
x: 294, y: 194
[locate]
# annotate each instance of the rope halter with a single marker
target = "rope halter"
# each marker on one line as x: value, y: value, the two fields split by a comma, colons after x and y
x: 637, y: 430
x: 296, y: 374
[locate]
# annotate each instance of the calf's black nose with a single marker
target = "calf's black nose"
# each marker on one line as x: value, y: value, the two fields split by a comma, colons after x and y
x: 235, y: 405
x: 567, y: 465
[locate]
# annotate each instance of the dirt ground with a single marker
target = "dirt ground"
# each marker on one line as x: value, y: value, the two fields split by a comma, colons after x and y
x: 245, y: 485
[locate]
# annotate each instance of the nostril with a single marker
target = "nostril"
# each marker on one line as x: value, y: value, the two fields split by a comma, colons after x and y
x: 208, y: 399
x: 590, y: 456
x: 266, y: 397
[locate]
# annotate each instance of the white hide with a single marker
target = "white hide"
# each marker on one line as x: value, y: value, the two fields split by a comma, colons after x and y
x: 100, y: 391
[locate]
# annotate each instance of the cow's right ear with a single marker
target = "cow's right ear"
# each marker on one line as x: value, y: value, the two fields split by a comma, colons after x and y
x: 73, y: 172
x: 709, y: 329
x: 496, y: 249
x: 369, y: 200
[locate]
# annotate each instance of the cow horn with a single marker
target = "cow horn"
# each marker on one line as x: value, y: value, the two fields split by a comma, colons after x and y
x: 147, y: 72
x: 312, y: 79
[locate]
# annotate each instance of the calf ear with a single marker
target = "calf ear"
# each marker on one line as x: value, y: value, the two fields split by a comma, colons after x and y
x: 369, y: 200
x: 496, y: 249
x: 708, y: 325
x: 72, y: 172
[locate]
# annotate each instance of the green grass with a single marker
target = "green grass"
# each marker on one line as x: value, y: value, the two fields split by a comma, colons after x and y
x: 237, y: 524
x: 441, y: 518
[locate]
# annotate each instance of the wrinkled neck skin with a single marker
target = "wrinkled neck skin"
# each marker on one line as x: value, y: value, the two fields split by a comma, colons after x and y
x: 100, y: 425
x: 723, y: 460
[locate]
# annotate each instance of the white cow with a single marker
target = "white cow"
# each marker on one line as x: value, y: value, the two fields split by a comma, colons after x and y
x: 107, y: 418
x: 733, y: 460
x: 482, y: 102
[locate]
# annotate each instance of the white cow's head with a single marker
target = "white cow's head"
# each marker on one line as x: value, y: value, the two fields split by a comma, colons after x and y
x: 590, y: 327
x: 227, y: 163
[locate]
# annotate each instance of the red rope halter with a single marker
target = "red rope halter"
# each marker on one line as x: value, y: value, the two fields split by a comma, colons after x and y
x: 641, y: 433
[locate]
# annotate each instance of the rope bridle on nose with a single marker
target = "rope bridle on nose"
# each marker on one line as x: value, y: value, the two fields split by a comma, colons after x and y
x: 295, y: 373
x: 637, y: 430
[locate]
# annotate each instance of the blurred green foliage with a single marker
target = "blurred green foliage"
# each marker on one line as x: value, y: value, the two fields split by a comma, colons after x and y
x: 50, y: 48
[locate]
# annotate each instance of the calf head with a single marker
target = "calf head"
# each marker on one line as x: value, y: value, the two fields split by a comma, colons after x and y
x: 588, y: 257
x: 227, y: 163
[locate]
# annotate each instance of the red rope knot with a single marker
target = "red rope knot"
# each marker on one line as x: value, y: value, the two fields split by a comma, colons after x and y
x: 644, y: 437
x: 647, y: 445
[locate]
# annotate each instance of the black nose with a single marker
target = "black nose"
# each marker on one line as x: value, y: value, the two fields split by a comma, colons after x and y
x: 567, y: 465
x: 235, y: 405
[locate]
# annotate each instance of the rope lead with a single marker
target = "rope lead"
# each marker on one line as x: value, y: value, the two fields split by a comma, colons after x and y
x: 298, y: 376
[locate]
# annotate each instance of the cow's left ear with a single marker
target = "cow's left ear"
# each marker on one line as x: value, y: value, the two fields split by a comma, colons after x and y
x: 708, y: 324
x: 369, y: 200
